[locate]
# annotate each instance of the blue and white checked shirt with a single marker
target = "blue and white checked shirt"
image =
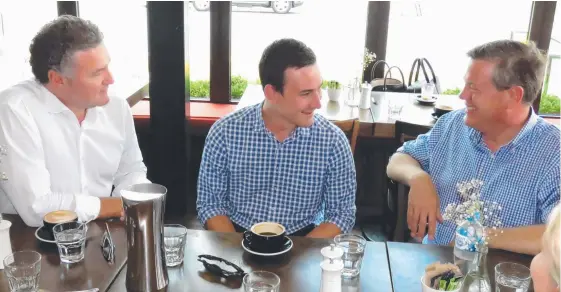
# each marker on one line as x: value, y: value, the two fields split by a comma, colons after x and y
x: 522, y: 176
x: 247, y: 175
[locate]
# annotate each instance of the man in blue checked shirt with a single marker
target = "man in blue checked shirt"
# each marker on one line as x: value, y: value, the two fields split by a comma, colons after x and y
x: 278, y: 161
x: 497, y: 139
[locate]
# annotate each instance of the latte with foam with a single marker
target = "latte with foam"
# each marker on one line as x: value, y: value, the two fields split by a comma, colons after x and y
x: 60, y: 216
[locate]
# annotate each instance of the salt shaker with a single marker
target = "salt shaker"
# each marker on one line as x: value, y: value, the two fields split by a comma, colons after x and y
x: 331, y: 269
x: 332, y: 252
x: 5, y: 244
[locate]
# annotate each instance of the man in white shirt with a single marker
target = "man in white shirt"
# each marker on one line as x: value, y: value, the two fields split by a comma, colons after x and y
x: 67, y: 142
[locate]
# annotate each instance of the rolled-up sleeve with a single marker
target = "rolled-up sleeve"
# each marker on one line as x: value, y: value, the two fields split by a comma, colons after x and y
x: 340, y: 186
x: 548, y: 195
x: 212, y: 187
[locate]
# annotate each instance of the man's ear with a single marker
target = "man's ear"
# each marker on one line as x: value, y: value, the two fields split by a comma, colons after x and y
x: 55, y: 77
x: 271, y: 94
x: 516, y: 93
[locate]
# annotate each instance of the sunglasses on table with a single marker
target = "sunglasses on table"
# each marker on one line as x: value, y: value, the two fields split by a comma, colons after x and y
x: 107, y: 245
x: 221, y: 267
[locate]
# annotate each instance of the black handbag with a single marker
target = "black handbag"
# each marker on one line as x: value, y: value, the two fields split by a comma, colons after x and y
x: 414, y: 86
x: 390, y: 84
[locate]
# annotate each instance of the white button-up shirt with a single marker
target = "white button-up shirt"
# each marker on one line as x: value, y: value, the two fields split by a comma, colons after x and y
x: 54, y: 163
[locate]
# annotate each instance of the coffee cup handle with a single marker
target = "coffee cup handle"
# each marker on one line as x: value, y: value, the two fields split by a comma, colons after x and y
x: 247, y: 235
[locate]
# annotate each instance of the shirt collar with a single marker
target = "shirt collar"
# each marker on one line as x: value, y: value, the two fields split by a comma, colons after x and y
x: 476, y: 136
x: 259, y: 123
x: 52, y: 103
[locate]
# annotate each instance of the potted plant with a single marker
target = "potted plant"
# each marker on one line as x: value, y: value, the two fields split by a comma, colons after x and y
x: 333, y: 90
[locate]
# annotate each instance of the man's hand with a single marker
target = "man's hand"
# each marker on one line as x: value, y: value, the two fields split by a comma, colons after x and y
x: 324, y: 230
x: 423, y: 207
x: 220, y: 223
x: 110, y: 208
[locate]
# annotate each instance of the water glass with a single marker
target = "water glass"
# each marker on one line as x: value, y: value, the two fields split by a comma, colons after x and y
x: 174, y: 243
x: 22, y: 269
x: 512, y: 277
x: 261, y: 281
x: 70, y: 239
x: 427, y: 90
x: 395, y: 105
x: 353, y: 251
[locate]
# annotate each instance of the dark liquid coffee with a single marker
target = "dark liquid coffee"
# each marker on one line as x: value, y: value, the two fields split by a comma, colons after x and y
x: 268, y: 234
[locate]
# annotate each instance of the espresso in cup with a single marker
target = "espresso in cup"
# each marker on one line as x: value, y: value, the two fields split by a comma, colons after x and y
x: 56, y: 217
x: 266, y: 237
x: 441, y: 109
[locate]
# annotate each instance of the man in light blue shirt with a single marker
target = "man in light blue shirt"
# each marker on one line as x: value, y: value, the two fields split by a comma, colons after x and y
x: 497, y: 139
x: 278, y: 161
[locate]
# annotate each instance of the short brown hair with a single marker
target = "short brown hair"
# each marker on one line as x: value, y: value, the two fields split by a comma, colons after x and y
x: 517, y: 64
x: 54, y: 45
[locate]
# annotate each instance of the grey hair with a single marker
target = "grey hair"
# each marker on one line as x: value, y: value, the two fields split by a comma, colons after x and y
x: 55, y: 44
x: 517, y: 64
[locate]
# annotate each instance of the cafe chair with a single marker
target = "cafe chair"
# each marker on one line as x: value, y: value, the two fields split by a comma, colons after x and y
x: 395, y: 205
x: 351, y: 129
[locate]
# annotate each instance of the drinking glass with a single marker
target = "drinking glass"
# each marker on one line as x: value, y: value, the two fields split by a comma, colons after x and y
x: 395, y: 105
x: 512, y: 277
x: 261, y: 281
x: 427, y: 91
x: 174, y: 243
x: 22, y: 269
x: 353, y: 251
x: 70, y: 239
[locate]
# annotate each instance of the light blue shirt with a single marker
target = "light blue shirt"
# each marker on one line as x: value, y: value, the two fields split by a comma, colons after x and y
x: 248, y: 175
x: 522, y: 176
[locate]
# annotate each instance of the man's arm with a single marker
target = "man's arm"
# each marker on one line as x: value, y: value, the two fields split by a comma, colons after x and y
x: 28, y: 186
x: 131, y: 168
x: 526, y: 240
x: 340, y: 192
x: 213, y: 183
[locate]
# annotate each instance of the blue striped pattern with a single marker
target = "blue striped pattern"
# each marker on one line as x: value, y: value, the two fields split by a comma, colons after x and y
x: 249, y: 176
x: 522, y: 176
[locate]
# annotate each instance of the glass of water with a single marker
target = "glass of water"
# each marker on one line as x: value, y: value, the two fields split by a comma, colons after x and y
x: 261, y: 281
x: 512, y: 277
x: 22, y: 269
x: 395, y: 105
x: 174, y: 243
x: 353, y: 251
x: 70, y: 239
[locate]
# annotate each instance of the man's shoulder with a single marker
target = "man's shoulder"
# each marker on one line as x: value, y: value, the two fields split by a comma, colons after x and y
x: 240, y: 118
x: 19, y: 94
x: 323, y: 127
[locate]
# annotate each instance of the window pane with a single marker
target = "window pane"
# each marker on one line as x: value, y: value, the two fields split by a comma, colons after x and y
x: 197, y: 51
x: 18, y: 25
x: 551, y: 91
x: 125, y: 30
x: 335, y: 31
x: 444, y: 31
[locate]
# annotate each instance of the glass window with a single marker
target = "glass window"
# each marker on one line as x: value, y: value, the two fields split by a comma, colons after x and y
x: 551, y: 91
x: 444, y: 31
x: 125, y: 30
x: 335, y: 31
x: 18, y: 25
x: 197, y: 51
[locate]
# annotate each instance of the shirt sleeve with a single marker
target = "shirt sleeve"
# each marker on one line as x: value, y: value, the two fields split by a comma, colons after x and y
x: 340, y: 188
x: 548, y: 195
x: 212, y: 187
x: 131, y: 168
x: 28, y: 184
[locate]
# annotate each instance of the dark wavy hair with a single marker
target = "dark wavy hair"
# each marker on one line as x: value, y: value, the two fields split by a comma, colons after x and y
x: 54, y: 45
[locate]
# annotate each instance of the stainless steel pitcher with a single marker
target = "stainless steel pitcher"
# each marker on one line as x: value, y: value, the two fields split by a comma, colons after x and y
x: 144, y: 206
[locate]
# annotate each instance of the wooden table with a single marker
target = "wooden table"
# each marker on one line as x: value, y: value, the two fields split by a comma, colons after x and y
x: 92, y: 272
x: 377, y: 116
x: 299, y: 270
x: 408, y: 262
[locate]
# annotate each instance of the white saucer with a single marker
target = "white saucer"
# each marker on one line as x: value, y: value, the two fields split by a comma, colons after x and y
x: 290, y: 244
x: 426, y: 101
x: 42, y: 239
